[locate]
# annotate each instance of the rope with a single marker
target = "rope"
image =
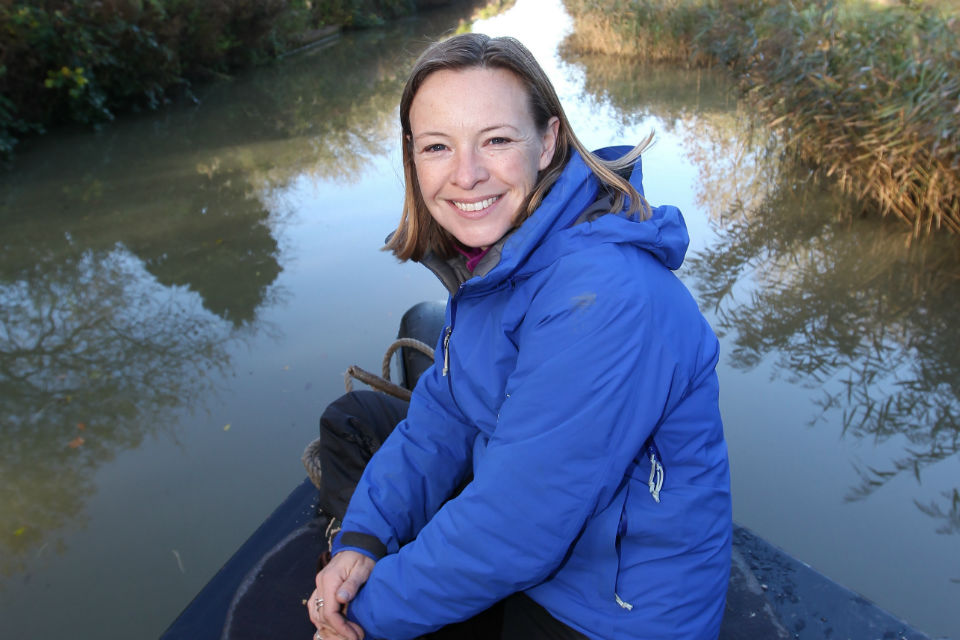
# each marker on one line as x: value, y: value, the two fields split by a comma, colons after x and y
x: 311, y: 454
x: 403, y: 342
x: 375, y: 381
x: 311, y: 462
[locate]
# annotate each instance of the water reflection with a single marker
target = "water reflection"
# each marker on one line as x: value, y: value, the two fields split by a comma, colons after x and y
x: 855, y: 309
x: 637, y: 90
x: 322, y: 115
x: 206, y: 231
x: 93, y: 354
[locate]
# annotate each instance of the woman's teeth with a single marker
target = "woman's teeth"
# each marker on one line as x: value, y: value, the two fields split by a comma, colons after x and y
x: 475, y: 206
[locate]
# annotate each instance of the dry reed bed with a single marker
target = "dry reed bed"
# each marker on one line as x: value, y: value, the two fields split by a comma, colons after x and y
x: 869, y: 95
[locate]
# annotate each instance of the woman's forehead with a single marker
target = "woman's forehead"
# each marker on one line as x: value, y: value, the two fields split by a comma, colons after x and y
x: 473, y: 97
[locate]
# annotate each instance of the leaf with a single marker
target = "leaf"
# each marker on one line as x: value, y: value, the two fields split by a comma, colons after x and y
x: 81, y: 425
x: 76, y: 442
x: 20, y: 531
x: 226, y: 427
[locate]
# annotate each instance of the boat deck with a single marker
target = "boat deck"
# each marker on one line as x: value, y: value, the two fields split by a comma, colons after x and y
x: 259, y: 592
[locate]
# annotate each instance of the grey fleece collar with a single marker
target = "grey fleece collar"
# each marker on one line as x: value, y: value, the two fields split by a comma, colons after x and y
x: 453, y: 272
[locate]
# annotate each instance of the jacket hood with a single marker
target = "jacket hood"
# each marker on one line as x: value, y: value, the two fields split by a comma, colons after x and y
x: 574, y: 214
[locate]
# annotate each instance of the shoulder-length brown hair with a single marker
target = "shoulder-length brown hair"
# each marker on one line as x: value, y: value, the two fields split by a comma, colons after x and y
x: 417, y: 232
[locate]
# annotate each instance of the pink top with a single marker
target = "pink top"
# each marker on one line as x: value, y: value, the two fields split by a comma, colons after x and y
x: 472, y: 254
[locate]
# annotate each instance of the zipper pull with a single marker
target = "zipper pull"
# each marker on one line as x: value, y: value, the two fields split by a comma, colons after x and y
x: 446, y: 350
x: 622, y: 603
x: 655, y: 482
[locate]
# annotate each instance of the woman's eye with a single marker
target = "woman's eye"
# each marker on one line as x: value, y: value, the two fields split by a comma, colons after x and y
x: 432, y: 148
x: 498, y: 140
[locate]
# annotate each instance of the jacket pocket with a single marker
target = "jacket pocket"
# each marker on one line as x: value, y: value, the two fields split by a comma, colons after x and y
x: 648, y: 469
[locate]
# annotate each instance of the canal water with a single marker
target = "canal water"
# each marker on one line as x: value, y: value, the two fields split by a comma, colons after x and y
x: 181, y: 292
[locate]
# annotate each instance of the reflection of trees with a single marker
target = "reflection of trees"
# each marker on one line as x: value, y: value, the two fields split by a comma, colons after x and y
x: 227, y: 253
x: 733, y: 164
x: 637, y: 90
x: 950, y: 515
x: 207, y: 233
x: 326, y: 114
x: 93, y: 356
x: 859, y: 310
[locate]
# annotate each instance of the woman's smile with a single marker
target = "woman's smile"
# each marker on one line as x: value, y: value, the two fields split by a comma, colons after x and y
x: 474, y: 207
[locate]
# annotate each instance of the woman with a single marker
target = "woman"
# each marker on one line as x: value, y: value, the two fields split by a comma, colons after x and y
x: 564, y: 457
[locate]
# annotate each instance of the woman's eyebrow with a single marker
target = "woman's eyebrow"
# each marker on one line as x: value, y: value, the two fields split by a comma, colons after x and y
x: 430, y: 133
x: 504, y: 125
x: 486, y: 129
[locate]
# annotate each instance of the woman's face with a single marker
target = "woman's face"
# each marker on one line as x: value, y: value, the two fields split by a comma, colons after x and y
x: 477, y: 151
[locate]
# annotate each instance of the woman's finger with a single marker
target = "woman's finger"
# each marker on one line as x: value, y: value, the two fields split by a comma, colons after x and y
x: 331, y: 612
x: 313, y: 608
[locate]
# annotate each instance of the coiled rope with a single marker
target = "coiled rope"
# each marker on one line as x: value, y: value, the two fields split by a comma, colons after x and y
x: 311, y: 454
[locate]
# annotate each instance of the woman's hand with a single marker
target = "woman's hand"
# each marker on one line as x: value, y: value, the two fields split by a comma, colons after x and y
x: 337, y: 585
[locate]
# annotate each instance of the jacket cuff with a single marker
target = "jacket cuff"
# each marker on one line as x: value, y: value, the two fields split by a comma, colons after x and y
x: 365, y: 543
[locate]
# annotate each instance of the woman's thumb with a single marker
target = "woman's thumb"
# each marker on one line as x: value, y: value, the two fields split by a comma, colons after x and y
x: 349, y: 588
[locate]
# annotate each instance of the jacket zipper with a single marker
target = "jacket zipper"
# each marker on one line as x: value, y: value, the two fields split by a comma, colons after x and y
x: 655, y: 483
x: 446, y: 350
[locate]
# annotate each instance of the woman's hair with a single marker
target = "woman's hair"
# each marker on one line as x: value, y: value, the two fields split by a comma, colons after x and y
x: 417, y: 232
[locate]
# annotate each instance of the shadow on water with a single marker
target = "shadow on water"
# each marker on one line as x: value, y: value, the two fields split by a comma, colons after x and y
x: 839, y: 302
x: 135, y: 259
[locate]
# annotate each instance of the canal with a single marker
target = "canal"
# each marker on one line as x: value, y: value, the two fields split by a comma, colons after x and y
x: 181, y: 292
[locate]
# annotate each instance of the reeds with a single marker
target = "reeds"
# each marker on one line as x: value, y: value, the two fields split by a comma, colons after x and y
x: 870, y: 96
x: 653, y: 31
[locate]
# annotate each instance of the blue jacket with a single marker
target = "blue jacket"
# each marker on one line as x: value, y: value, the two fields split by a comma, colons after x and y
x: 562, y: 370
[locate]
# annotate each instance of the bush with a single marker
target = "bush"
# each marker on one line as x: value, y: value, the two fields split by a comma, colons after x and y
x: 83, y: 61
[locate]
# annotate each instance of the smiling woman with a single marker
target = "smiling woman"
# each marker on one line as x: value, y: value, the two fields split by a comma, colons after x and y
x: 526, y: 491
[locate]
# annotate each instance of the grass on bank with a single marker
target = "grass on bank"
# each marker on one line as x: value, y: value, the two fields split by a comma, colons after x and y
x: 867, y: 91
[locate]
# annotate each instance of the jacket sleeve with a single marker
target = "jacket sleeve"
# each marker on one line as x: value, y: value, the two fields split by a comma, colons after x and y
x: 411, y: 475
x: 593, y: 378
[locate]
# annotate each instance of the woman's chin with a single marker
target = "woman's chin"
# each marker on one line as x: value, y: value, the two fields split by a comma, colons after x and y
x: 476, y: 240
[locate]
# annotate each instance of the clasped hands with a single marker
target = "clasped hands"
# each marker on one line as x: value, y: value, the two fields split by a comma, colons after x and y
x: 337, y: 584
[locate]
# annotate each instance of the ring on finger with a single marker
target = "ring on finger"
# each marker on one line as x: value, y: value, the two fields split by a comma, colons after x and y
x: 318, y: 602
x: 317, y: 636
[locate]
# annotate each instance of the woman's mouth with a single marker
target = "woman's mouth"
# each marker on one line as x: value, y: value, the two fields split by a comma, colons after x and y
x: 475, y: 206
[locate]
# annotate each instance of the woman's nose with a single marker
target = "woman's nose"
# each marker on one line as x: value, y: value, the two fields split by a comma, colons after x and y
x: 469, y: 169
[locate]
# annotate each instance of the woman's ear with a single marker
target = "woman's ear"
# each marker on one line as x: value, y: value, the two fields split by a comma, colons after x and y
x: 549, y: 142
